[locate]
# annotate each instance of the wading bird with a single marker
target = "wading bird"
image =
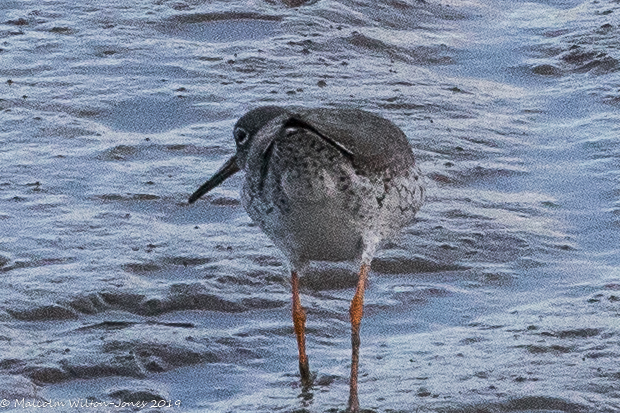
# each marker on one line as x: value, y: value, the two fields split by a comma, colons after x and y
x: 324, y: 185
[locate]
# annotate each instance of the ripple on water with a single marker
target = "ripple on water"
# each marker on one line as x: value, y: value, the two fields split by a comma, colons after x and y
x: 151, y: 114
x: 42, y: 313
x: 222, y: 27
x: 17, y: 387
x: 586, y: 44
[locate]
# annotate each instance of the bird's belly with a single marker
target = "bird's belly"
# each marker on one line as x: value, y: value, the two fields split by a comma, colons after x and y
x: 322, y: 222
x: 321, y: 232
x: 310, y: 230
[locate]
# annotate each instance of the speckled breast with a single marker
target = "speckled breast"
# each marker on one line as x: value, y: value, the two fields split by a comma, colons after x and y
x: 315, y: 204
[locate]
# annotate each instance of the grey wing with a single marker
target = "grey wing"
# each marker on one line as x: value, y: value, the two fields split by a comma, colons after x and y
x: 372, y: 142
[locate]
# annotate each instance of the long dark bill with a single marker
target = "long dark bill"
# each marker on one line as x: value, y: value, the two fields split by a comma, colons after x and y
x: 228, y: 169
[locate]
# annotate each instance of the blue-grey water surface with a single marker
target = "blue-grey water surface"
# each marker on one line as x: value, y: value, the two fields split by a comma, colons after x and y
x: 504, y: 296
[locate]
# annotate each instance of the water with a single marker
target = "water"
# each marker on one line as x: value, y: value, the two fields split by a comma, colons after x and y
x: 503, y: 296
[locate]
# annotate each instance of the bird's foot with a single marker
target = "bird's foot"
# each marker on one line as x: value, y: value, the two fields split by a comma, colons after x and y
x: 304, y: 371
x: 354, y: 406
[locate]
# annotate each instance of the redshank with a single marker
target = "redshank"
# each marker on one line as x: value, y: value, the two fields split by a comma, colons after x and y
x: 324, y: 185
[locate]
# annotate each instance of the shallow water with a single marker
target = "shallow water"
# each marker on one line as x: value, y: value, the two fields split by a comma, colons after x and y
x: 504, y: 296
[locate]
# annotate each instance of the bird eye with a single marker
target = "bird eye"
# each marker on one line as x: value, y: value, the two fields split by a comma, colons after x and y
x: 240, y: 135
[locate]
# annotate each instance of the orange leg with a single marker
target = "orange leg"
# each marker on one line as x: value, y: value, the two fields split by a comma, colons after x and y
x: 356, y: 311
x: 299, y: 321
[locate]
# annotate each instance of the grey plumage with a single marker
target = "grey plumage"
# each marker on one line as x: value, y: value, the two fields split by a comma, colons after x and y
x: 324, y: 185
x: 327, y: 184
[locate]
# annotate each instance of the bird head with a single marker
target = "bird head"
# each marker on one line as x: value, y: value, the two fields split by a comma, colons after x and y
x: 244, y: 132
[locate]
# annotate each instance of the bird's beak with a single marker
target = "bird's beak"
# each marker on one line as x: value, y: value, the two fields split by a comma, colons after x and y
x: 228, y: 169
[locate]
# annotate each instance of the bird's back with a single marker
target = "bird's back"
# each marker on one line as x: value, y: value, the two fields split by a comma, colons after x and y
x: 374, y: 142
